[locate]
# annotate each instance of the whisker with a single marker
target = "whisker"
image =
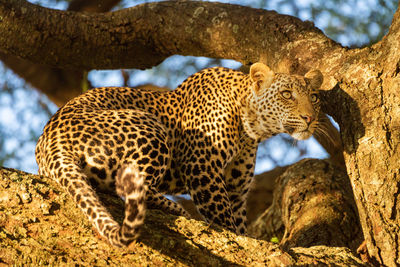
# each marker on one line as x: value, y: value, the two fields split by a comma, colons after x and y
x: 321, y: 131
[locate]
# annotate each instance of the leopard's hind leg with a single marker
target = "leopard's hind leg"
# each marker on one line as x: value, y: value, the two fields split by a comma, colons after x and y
x: 76, y: 183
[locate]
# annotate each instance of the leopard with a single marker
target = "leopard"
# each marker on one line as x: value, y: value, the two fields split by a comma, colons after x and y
x: 200, y: 139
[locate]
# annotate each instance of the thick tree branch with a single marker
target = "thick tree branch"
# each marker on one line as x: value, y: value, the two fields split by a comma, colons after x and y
x: 93, y: 6
x: 143, y: 36
x: 41, y: 225
x: 59, y: 85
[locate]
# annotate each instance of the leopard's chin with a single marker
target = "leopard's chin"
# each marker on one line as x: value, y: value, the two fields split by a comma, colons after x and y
x: 301, y: 135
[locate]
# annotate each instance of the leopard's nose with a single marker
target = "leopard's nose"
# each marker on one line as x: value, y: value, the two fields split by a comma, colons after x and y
x: 307, y: 118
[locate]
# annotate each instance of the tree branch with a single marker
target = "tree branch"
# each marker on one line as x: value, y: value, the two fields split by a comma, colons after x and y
x: 59, y: 85
x: 93, y: 6
x: 144, y: 35
x: 40, y: 223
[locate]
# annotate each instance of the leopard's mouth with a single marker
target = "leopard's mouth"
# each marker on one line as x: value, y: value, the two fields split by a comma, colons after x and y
x: 299, y: 135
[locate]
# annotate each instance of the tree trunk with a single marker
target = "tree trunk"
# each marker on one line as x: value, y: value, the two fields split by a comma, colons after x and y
x: 365, y: 103
x: 362, y: 85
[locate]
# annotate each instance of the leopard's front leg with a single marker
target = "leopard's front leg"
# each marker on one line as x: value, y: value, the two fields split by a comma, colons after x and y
x: 238, y: 176
x: 202, y: 165
x: 208, y: 191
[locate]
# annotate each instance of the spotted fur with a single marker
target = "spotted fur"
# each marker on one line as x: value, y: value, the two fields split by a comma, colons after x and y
x: 199, y: 139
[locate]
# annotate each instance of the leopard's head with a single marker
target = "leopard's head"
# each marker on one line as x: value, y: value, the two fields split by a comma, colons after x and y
x: 283, y: 103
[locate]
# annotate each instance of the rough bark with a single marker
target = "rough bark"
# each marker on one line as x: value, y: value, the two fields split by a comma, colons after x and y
x: 323, y: 212
x: 362, y: 84
x: 365, y: 103
x: 92, y: 6
x: 307, y: 204
x: 40, y: 225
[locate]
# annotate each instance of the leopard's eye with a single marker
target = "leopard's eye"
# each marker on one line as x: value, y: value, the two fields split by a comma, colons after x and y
x: 286, y: 94
x: 314, y: 98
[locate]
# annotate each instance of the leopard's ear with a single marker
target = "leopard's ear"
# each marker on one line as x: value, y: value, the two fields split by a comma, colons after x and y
x: 315, y: 78
x: 261, y: 75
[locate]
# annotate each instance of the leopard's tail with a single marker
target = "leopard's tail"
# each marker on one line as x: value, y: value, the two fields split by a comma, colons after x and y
x: 130, y: 185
